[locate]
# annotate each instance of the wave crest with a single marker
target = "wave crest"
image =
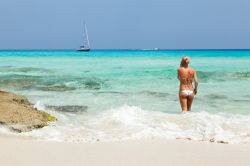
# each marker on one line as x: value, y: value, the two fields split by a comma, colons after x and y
x: 131, y: 122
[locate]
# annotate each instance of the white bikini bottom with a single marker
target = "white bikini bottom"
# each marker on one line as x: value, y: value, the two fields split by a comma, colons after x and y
x: 187, y: 92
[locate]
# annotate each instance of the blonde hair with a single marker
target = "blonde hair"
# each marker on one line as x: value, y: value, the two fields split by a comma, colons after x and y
x: 183, y: 61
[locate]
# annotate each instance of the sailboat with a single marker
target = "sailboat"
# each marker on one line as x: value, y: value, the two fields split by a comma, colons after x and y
x: 85, y: 46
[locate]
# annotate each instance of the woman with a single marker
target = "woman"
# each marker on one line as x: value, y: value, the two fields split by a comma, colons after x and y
x: 186, y: 76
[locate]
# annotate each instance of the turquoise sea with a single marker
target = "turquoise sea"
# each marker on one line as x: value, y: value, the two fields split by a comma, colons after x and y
x: 131, y: 94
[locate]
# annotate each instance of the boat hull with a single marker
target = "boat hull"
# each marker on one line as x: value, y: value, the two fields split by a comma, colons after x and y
x: 86, y: 49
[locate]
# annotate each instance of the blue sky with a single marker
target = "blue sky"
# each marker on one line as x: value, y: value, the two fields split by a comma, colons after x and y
x: 121, y: 24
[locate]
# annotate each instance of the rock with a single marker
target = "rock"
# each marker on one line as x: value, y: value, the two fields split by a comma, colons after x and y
x: 18, y: 113
x: 68, y: 108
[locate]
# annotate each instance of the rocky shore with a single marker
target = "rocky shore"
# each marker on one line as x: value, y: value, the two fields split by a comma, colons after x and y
x: 19, y: 115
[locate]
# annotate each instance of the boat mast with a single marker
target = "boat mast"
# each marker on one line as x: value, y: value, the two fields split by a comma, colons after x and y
x: 86, y: 34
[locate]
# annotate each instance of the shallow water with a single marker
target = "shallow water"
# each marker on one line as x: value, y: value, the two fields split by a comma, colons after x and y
x: 114, y: 95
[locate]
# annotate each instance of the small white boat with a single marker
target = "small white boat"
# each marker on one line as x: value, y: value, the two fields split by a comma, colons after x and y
x: 85, y: 46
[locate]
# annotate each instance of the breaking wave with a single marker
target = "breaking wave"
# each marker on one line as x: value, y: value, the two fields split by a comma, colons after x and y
x: 131, y: 122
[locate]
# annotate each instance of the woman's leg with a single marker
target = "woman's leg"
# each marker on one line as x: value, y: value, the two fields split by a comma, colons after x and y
x: 190, y: 99
x: 183, y: 101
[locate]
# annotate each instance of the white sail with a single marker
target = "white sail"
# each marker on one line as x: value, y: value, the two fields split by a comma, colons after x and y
x: 86, y: 45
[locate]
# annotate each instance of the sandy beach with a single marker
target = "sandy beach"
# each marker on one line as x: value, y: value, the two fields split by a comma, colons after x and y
x: 29, y: 152
x: 124, y: 83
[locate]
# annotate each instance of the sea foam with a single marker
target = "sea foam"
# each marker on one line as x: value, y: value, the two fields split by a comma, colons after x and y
x: 131, y: 122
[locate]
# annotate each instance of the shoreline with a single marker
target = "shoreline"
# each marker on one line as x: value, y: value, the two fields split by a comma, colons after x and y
x: 30, y: 152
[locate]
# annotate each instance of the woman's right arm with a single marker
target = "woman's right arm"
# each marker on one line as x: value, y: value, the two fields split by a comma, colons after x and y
x: 195, y: 82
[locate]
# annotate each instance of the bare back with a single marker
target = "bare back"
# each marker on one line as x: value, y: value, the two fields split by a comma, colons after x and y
x: 186, y: 77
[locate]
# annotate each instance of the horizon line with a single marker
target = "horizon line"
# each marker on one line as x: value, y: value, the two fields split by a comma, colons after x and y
x: 128, y: 49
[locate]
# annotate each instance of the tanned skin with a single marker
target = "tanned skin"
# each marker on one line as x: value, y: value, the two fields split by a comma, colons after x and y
x: 186, y: 76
